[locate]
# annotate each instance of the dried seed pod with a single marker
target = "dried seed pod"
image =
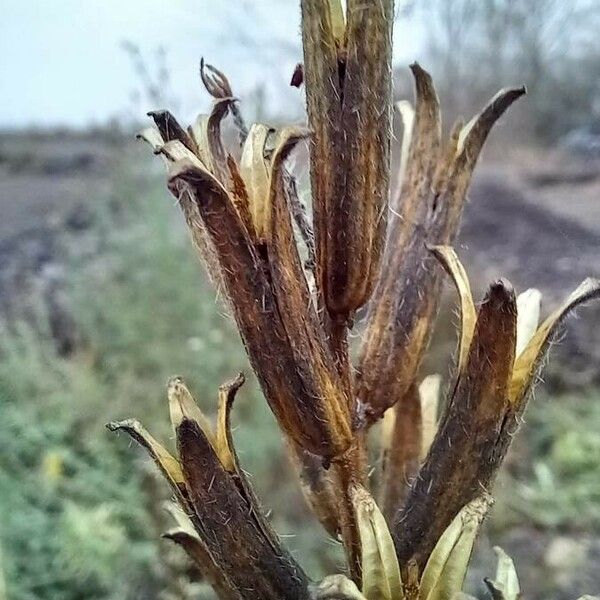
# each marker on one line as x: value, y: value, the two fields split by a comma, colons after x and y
x: 397, y: 313
x: 427, y: 212
x: 185, y: 536
x: 305, y: 399
x: 294, y: 301
x: 212, y: 490
x: 348, y: 85
x: 250, y: 558
x: 323, y: 92
x: 357, y: 213
x: 308, y: 400
x: 485, y: 407
x: 474, y: 425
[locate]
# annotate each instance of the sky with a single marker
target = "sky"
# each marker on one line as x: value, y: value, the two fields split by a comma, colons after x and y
x: 62, y: 61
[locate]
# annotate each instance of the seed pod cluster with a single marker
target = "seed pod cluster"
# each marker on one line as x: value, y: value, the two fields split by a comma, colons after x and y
x: 293, y: 280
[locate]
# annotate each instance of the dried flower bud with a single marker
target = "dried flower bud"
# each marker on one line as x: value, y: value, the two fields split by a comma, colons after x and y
x: 215, y: 82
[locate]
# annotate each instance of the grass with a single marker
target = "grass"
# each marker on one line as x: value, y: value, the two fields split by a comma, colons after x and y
x: 560, y: 485
x: 80, y: 512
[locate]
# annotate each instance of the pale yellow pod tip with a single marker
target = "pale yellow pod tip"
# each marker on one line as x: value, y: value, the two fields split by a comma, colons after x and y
x: 451, y: 263
x: 407, y: 112
x: 446, y: 568
x: 183, y: 522
x: 380, y: 570
x: 199, y: 133
x: 162, y: 457
x: 338, y: 22
x: 387, y: 427
x: 528, y: 317
x: 528, y: 358
x: 254, y: 169
x: 151, y: 136
x: 429, y: 395
x: 506, y: 580
x: 183, y: 406
x: 224, y: 450
x: 463, y: 136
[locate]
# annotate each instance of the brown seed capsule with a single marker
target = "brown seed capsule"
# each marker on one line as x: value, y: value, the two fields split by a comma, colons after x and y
x: 427, y: 212
x: 348, y: 83
x: 472, y: 425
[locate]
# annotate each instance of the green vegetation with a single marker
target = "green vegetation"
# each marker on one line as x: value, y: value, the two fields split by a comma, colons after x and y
x: 69, y: 526
x: 77, y: 520
x: 561, y: 488
x: 72, y: 524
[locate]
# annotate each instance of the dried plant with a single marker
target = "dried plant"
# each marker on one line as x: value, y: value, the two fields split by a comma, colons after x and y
x: 247, y: 222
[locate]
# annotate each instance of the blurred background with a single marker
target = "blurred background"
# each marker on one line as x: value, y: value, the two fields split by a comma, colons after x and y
x: 102, y: 298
